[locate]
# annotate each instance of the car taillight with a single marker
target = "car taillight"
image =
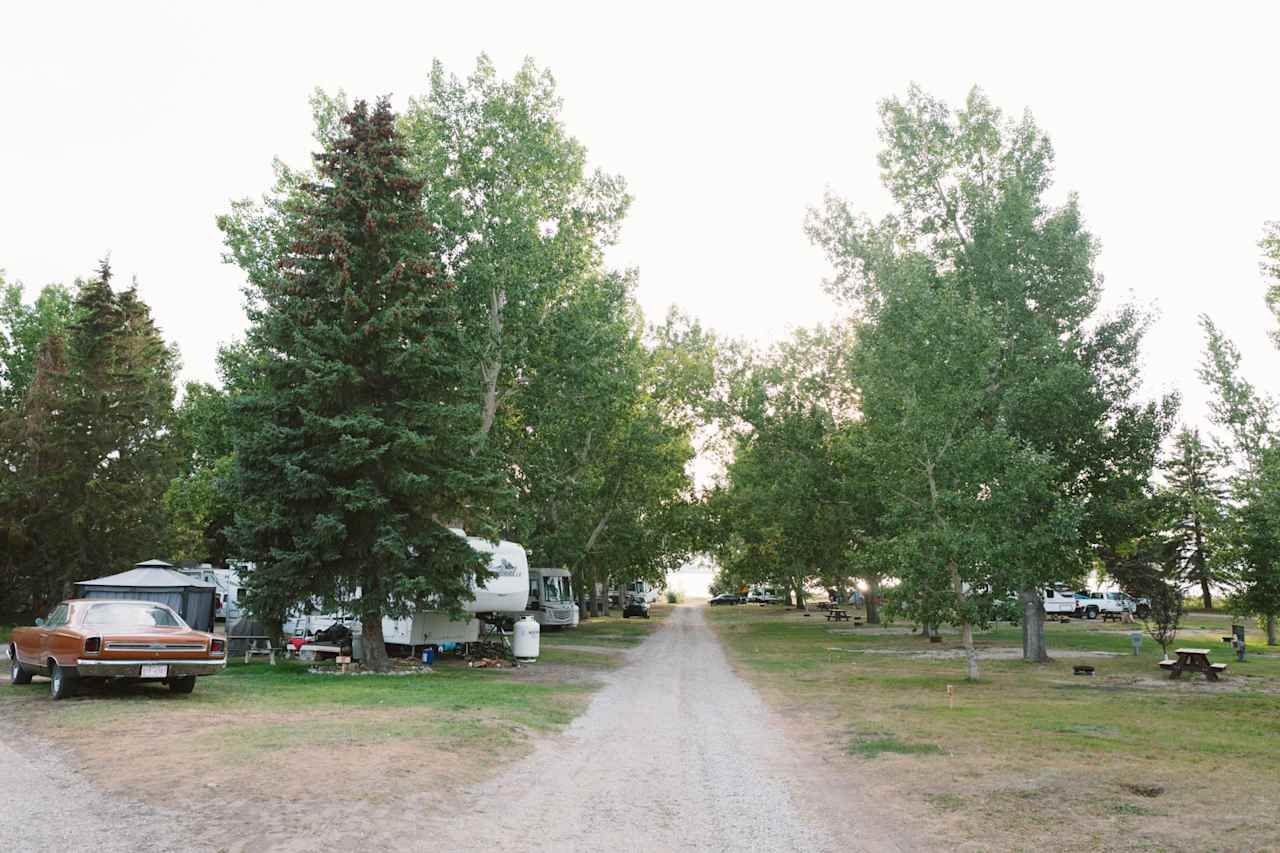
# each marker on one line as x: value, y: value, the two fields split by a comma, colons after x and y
x: 216, y: 646
x: 93, y: 645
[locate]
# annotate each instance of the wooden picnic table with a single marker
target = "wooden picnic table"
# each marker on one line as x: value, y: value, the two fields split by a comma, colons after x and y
x: 835, y: 614
x: 1193, y: 660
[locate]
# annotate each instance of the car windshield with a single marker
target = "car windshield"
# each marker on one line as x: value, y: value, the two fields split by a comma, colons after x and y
x: 132, y: 616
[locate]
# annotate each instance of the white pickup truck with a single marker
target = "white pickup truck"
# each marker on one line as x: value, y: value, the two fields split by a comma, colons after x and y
x: 1091, y: 604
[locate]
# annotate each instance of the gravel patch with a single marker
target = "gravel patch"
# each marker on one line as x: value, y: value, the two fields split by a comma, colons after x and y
x: 676, y: 752
x: 47, y: 806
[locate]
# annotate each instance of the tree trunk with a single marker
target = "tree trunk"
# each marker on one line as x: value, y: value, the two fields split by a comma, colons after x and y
x: 873, y: 609
x: 786, y: 594
x: 375, y: 648
x: 1271, y: 630
x: 966, y: 630
x: 1205, y: 594
x: 970, y: 653
x: 491, y: 368
x: 1033, y: 643
x: 800, y: 596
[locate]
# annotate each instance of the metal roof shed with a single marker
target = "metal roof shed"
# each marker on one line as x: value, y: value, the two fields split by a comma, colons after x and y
x: 156, y: 580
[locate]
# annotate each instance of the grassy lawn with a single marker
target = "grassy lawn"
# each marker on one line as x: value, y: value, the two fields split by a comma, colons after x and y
x: 5, y: 631
x: 1029, y: 747
x: 608, y: 630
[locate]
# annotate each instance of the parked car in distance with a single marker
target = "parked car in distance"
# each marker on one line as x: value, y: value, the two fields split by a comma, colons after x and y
x: 1090, y: 604
x: 636, y: 606
x: 725, y: 598
x: 113, y: 639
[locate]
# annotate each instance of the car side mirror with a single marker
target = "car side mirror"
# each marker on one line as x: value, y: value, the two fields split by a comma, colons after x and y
x: 39, y: 622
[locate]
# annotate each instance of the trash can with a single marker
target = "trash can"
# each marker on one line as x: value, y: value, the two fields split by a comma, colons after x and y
x: 1135, y: 637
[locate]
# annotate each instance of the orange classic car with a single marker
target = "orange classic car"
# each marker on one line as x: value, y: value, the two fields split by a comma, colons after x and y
x: 113, y: 638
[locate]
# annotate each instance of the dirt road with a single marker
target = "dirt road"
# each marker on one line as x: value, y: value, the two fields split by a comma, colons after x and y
x: 675, y: 753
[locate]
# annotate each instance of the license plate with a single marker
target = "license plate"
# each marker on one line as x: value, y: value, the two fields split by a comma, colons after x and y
x: 155, y: 670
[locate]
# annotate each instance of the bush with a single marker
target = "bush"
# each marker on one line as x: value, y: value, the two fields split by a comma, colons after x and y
x: 673, y: 597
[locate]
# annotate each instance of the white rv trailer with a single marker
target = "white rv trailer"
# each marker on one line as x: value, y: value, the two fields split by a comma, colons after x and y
x: 551, y: 598
x: 641, y: 590
x: 505, y: 592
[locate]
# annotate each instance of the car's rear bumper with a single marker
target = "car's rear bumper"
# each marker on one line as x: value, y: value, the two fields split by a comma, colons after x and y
x: 89, y: 668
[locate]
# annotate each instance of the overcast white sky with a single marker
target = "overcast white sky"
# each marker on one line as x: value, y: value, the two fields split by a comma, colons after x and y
x: 129, y: 127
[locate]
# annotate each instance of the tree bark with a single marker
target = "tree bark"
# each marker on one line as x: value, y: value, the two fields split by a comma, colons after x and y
x: 1271, y: 630
x: 375, y: 648
x: 800, y: 596
x: 966, y: 630
x: 602, y: 599
x: 1205, y: 594
x: 970, y: 653
x: 873, y: 609
x: 491, y: 368
x: 1033, y: 642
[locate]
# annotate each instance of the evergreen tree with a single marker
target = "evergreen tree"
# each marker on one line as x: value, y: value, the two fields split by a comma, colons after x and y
x: 89, y: 450
x: 354, y: 434
x: 1196, y: 497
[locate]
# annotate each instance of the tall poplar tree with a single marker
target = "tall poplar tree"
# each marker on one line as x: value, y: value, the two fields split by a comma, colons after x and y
x: 1002, y: 408
x: 1250, y: 542
x: 354, y: 433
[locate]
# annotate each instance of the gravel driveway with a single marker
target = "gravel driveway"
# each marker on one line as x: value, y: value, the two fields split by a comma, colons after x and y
x: 675, y: 753
x: 46, y: 806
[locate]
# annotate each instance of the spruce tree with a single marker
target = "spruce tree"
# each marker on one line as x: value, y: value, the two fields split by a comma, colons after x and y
x: 354, y: 430
x: 89, y: 450
x: 1197, y: 497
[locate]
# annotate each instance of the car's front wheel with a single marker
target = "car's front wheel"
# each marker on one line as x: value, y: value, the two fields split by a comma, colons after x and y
x: 62, y: 682
x: 1091, y: 613
x: 183, y: 685
x: 17, y: 672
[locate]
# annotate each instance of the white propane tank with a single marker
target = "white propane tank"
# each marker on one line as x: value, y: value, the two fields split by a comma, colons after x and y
x: 574, y: 623
x: 525, y: 643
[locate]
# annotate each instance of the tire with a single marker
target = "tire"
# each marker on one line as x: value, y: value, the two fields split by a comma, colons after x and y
x: 62, y: 682
x: 17, y: 672
x: 1091, y: 613
x: 183, y: 685
x: 1143, y: 611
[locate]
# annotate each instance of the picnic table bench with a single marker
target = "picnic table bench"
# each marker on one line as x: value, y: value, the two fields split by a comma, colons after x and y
x: 1193, y: 660
x: 837, y: 614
